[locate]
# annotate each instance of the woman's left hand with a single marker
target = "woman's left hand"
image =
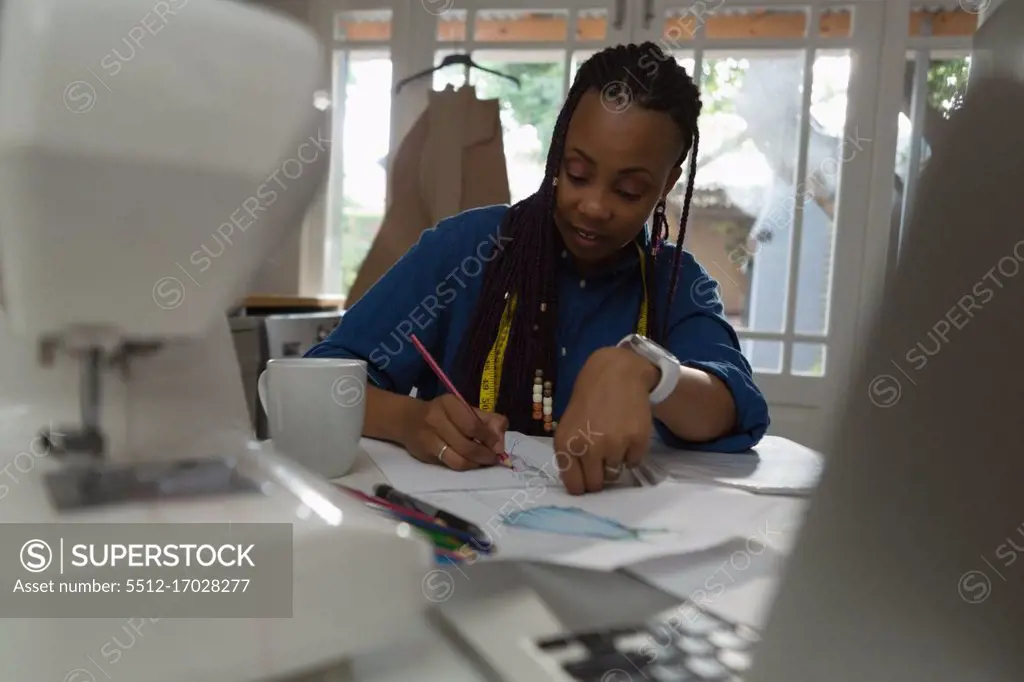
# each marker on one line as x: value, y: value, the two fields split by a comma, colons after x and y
x: 608, y: 423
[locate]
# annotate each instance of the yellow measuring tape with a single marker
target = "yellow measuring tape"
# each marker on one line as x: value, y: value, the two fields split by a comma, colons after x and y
x: 490, y: 379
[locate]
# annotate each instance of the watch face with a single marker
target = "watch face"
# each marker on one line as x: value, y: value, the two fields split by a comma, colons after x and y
x: 650, y: 350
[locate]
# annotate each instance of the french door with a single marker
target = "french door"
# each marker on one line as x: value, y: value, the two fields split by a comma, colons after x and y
x: 784, y: 170
x: 787, y: 134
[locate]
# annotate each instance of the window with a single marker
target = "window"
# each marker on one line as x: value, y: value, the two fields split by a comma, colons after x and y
x: 935, y: 83
x: 528, y: 111
x: 745, y: 200
x: 532, y: 45
x: 362, y: 77
x: 774, y: 142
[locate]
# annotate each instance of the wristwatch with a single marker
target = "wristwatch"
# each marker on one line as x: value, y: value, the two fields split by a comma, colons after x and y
x: 667, y: 363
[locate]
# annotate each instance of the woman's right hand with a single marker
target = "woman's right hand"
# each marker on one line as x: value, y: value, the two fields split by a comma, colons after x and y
x: 445, y: 421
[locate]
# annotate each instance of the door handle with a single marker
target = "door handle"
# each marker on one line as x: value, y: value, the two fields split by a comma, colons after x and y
x: 648, y: 14
x: 620, y: 15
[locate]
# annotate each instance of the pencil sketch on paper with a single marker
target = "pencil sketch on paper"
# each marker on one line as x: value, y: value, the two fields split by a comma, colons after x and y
x: 524, y: 468
x: 576, y: 522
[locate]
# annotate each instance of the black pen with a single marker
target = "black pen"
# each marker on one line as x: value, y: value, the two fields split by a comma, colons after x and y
x: 386, y: 492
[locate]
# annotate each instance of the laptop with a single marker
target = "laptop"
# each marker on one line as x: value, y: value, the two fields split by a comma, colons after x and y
x: 907, y: 567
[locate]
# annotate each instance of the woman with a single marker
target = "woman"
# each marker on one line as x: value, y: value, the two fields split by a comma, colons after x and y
x: 525, y: 306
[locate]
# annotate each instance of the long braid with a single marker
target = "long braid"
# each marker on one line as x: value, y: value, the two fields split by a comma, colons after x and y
x: 674, y: 278
x: 526, y: 268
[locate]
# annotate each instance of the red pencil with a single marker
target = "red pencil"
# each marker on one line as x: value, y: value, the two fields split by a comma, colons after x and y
x: 503, y: 457
x: 388, y: 506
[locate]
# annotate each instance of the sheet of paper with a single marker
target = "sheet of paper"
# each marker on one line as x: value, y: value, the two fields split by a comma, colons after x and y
x: 736, y: 579
x: 533, y: 460
x: 775, y: 466
x: 606, y: 530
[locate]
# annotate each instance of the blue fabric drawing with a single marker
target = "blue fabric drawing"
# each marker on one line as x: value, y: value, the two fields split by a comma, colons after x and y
x: 576, y: 522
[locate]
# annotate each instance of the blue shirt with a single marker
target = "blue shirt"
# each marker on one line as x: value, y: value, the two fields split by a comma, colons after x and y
x: 432, y: 290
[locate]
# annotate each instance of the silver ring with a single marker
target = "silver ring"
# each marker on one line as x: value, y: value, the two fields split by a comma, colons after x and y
x: 440, y: 455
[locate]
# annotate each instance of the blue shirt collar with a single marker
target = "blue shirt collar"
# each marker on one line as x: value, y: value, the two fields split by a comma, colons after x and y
x: 628, y: 262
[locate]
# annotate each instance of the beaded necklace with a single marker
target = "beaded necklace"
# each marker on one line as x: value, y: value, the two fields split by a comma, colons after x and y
x: 543, y: 391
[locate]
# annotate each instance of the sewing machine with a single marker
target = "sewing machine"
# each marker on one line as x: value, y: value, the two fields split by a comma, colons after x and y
x: 152, y: 156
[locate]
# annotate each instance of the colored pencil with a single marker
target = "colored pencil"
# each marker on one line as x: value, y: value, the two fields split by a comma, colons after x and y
x: 388, y: 506
x: 443, y: 541
x: 456, y: 557
x: 503, y: 457
x: 463, y: 538
x: 428, y: 525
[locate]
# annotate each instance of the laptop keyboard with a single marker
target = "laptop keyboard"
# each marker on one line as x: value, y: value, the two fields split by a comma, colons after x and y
x: 684, y: 644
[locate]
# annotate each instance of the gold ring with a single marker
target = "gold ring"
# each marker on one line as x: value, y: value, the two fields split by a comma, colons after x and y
x: 440, y: 455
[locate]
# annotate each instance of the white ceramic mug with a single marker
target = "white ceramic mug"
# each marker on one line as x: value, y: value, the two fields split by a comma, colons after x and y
x: 315, y: 408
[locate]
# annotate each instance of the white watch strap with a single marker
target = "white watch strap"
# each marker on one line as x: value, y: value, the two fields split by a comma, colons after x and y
x: 667, y: 366
x: 667, y: 382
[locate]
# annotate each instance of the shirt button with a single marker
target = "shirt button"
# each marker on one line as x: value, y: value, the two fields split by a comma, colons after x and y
x: 563, y: 351
x: 583, y: 283
x: 564, y: 253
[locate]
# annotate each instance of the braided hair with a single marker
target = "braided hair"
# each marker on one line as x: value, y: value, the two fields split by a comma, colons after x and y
x: 526, y: 267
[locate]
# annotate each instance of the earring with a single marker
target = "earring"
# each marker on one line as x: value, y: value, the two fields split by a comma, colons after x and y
x: 554, y: 181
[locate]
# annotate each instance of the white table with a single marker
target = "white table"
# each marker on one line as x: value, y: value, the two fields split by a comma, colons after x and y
x: 510, y: 599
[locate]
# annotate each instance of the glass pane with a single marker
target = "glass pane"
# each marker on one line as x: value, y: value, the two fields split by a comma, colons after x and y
x: 829, y: 148
x: 528, y: 113
x: 498, y: 26
x: 764, y: 356
x: 578, y: 58
x: 946, y: 87
x: 362, y: 25
x: 360, y: 159
x: 808, y: 359
x: 451, y: 26
x: 742, y: 214
x: 962, y: 21
x: 592, y: 24
x: 835, y: 23
x: 687, y: 61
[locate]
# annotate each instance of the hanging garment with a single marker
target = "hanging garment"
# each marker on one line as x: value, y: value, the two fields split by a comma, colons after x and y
x: 453, y: 159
